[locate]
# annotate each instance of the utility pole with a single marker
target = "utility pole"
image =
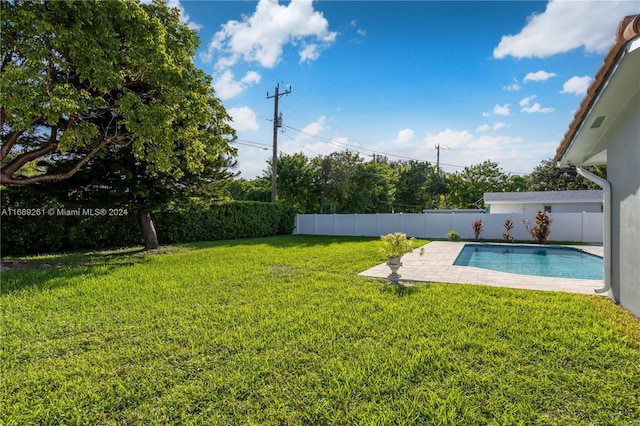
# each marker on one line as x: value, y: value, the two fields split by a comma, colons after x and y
x: 438, y: 156
x: 277, y: 122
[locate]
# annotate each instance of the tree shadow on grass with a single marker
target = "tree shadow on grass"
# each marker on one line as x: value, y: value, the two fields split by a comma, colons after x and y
x: 44, y: 272
x: 399, y: 290
x: 43, y: 279
x: 283, y: 241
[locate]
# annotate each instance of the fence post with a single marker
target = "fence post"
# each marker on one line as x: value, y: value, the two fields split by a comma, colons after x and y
x: 424, y: 223
x: 315, y: 224
x: 355, y: 223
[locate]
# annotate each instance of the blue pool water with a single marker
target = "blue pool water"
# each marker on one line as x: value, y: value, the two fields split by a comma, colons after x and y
x: 562, y: 262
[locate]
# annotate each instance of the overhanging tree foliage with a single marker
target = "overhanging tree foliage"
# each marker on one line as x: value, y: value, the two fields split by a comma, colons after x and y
x: 77, y: 77
x: 547, y: 176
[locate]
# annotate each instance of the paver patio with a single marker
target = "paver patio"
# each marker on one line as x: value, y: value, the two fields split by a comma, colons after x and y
x: 436, y: 265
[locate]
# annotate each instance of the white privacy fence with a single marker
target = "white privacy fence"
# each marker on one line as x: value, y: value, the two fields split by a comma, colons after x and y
x: 579, y: 227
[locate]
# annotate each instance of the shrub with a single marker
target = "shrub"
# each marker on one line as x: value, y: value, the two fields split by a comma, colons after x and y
x: 231, y: 220
x: 542, y: 228
x: 225, y: 221
x: 477, y: 228
x: 453, y: 235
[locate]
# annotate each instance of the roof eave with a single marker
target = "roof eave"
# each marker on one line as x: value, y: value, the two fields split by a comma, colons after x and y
x: 627, y: 31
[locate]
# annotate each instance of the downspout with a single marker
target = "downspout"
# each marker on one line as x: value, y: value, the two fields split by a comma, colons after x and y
x: 606, y: 186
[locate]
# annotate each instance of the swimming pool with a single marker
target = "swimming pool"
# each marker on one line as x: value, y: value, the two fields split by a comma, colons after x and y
x: 561, y: 262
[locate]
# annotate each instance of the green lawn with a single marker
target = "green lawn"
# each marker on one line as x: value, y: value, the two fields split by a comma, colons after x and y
x: 282, y: 331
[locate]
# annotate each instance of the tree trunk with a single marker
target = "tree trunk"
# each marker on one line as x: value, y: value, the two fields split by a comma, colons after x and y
x: 148, y: 230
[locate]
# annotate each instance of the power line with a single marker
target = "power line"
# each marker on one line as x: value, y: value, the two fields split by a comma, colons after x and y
x: 251, y: 144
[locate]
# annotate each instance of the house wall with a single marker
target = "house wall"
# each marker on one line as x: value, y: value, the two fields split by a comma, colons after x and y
x: 577, y: 207
x: 623, y: 172
x: 555, y: 208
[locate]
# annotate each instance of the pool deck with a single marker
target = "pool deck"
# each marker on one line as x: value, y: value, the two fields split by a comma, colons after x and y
x: 436, y: 265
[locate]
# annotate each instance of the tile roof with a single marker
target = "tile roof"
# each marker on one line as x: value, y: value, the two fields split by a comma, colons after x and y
x: 628, y: 28
x: 586, y: 196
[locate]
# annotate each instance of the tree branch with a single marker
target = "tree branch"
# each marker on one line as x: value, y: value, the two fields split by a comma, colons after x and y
x: 13, y: 137
x: 8, y: 179
x: 8, y: 143
x: 24, y: 158
x: 7, y: 59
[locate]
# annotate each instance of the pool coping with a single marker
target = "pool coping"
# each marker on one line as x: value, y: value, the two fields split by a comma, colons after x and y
x: 436, y: 265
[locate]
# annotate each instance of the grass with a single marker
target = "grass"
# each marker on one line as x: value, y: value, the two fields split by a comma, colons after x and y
x: 283, y: 331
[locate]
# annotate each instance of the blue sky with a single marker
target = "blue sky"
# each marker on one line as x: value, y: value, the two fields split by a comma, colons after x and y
x: 485, y: 80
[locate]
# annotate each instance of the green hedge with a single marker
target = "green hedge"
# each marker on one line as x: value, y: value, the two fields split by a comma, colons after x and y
x: 225, y: 221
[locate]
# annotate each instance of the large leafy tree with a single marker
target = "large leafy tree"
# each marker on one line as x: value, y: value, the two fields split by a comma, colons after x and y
x: 374, y: 189
x: 419, y: 185
x: 122, y: 182
x: 547, y: 176
x: 336, y: 181
x: 79, y: 76
x: 296, y: 182
x: 467, y: 188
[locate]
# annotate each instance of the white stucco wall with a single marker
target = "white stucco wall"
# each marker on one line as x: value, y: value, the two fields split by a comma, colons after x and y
x: 576, y: 207
x: 623, y: 171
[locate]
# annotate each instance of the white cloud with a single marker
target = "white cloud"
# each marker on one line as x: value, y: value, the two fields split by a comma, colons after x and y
x: 309, y: 53
x: 360, y: 31
x: 527, y: 100
x: 184, y: 18
x: 467, y: 149
x: 262, y: 36
x: 404, y: 135
x: 449, y: 138
x: 251, y: 77
x: 576, y: 85
x: 539, y: 76
x: 567, y: 25
x: 485, y: 114
x: 501, y: 109
x: 495, y: 143
x: 537, y: 108
x: 513, y: 87
x: 311, y: 130
x: 227, y: 87
x: 244, y: 119
x: 496, y: 126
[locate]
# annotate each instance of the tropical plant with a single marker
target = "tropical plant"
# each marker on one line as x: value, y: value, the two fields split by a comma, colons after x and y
x: 508, y: 225
x: 477, y: 228
x: 396, y: 244
x: 453, y: 235
x: 541, y: 230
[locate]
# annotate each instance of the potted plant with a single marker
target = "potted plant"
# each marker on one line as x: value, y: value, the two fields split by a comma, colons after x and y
x: 394, y: 246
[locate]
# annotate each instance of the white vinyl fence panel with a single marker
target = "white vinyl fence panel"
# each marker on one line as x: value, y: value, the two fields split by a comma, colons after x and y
x: 578, y: 227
